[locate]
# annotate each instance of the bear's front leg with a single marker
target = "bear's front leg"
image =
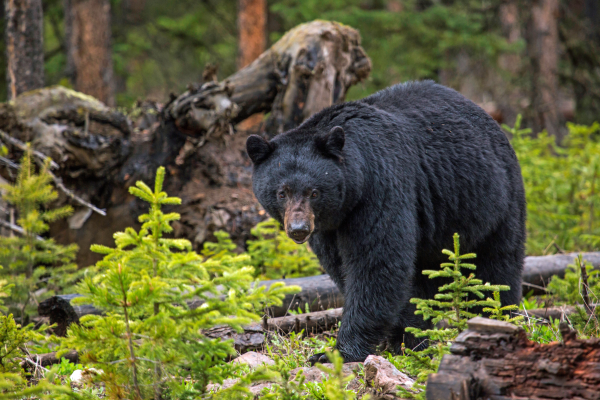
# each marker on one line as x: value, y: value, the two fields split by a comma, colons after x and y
x: 378, y: 276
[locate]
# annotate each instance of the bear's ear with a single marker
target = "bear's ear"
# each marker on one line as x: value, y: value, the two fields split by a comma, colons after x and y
x: 332, y: 143
x: 258, y: 148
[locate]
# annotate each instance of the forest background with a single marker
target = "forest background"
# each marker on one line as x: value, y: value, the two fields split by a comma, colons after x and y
x: 534, y: 66
x: 538, y: 58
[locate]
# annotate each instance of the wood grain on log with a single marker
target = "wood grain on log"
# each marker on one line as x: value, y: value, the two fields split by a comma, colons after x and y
x: 311, y: 67
x: 495, y: 360
x: 550, y: 312
x: 539, y: 269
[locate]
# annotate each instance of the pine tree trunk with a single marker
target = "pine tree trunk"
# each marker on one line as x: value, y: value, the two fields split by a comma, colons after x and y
x: 88, y: 44
x: 510, y: 94
x: 252, y: 24
x: 24, y: 46
x: 543, y: 50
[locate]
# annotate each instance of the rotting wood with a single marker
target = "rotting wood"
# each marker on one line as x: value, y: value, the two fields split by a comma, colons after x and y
x: 102, y: 152
x: 494, y: 359
x: 311, y: 67
x: 314, y: 322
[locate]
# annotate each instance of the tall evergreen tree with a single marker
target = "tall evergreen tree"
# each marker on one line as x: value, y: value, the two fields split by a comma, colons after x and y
x: 24, y: 32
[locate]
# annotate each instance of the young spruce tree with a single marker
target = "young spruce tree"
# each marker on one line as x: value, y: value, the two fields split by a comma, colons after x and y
x: 149, y: 343
x: 452, y: 303
x: 26, y: 257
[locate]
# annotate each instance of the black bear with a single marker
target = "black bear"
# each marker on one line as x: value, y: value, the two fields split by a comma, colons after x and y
x: 379, y: 186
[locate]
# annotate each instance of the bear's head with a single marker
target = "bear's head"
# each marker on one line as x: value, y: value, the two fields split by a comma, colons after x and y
x: 299, y: 179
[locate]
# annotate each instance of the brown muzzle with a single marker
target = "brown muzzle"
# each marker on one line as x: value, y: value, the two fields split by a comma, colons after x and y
x: 299, y: 220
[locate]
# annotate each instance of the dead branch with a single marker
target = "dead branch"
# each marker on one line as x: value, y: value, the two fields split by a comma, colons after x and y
x: 16, y: 228
x: 23, y: 147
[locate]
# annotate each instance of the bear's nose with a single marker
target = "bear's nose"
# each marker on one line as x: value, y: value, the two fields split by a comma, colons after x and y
x: 298, y: 231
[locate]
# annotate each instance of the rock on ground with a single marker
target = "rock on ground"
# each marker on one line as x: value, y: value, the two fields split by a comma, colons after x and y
x: 382, y: 375
x: 253, y: 359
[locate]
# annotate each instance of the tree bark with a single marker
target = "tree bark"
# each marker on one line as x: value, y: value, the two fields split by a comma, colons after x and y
x: 252, y: 24
x: 592, y: 10
x: 89, y: 51
x: 24, y: 46
x: 544, y: 52
x: 494, y: 359
x: 310, y: 68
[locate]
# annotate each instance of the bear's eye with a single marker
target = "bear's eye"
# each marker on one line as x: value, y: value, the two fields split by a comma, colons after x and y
x: 314, y: 194
x: 281, y: 195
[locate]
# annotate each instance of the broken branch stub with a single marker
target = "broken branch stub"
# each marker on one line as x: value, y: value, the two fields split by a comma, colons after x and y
x: 311, y: 67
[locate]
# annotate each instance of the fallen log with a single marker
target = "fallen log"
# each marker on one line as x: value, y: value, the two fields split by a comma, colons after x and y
x: 559, y: 312
x: 252, y: 338
x: 494, y: 359
x: 539, y: 269
x: 47, y: 359
x: 320, y: 293
x: 314, y: 322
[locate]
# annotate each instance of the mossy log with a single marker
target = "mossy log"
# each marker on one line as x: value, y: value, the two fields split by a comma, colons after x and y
x: 495, y: 360
x: 101, y: 152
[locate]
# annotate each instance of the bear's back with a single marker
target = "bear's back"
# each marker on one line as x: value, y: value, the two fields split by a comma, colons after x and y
x: 428, y: 101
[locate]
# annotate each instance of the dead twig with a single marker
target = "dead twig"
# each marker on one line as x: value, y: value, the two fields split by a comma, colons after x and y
x: 22, y: 146
x: 9, y: 163
x: 584, y: 287
x: 68, y: 192
x: 41, y: 159
x: 16, y: 228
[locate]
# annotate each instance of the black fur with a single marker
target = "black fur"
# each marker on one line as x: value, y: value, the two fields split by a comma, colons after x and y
x: 417, y: 163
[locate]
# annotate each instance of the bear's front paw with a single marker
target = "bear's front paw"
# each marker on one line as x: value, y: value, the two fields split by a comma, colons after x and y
x: 318, y: 358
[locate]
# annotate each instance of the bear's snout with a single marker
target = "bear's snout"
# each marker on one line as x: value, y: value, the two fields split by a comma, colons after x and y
x: 299, y: 221
x: 299, y: 231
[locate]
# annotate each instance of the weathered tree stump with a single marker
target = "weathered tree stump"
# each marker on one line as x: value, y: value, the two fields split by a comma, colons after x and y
x: 101, y: 152
x: 495, y: 360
